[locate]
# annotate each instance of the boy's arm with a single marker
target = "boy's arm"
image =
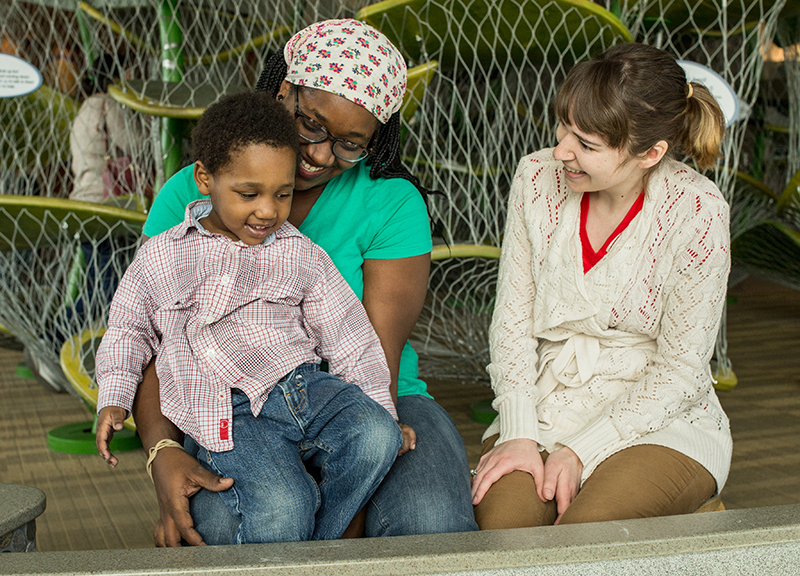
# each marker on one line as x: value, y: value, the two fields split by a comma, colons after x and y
x: 333, y: 313
x: 129, y: 342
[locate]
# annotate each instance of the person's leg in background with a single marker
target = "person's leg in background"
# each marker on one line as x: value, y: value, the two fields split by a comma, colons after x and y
x: 427, y: 490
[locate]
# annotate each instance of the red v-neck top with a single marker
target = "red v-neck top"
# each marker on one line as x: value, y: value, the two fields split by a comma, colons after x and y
x: 590, y: 257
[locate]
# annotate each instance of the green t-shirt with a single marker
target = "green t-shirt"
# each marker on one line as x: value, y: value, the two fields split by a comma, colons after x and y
x: 355, y: 218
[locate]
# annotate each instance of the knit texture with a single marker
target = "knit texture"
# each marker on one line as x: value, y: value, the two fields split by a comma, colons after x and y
x: 620, y: 355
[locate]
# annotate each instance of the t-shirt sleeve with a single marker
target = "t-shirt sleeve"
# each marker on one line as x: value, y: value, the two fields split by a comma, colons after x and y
x: 169, y: 206
x: 403, y: 228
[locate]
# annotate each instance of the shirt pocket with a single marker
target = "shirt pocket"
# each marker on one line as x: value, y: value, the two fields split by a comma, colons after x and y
x: 174, y: 321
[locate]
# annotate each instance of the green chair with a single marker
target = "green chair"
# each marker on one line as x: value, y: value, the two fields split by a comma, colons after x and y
x: 490, y: 32
x: 699, y: 16
x: 36, y: 128
x: 451, y: 334
x: 44, y: 300
x: 769, y: 247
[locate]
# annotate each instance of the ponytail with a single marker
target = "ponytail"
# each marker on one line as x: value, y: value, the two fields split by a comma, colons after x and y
x: 703, y: 127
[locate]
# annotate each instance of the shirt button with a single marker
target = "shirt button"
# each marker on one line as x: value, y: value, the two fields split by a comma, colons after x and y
x: 211, y: 353
x: 232, y: 248
x: 225, y: 280
x: 209, y: 319
x: 222, y: 395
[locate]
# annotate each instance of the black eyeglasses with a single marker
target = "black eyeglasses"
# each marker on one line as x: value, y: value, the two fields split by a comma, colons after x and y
x: 313, y: 132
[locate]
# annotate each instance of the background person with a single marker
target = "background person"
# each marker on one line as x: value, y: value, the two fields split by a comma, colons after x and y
x: 103, y: 132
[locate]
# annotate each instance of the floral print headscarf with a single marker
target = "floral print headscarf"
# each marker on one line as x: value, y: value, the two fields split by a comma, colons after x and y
x: 350, y: 59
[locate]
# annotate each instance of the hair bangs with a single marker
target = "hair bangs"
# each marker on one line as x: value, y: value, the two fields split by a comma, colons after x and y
x: 589, y: 101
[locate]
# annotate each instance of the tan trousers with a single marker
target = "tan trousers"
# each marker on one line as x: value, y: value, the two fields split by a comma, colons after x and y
x: 638, y: 482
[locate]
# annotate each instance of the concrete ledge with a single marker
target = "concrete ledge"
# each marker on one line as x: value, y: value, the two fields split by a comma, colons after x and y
x: 19, y: 508
x: 754, y: 541
x: 19, y: 505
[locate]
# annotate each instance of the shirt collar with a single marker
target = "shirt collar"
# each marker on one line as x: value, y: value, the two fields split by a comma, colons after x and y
x: 199, y: 209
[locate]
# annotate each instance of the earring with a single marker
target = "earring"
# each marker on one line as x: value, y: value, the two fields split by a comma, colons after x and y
x: 280, y: 97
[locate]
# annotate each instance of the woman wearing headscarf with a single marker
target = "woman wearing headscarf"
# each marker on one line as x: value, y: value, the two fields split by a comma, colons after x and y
x: 344, y: 82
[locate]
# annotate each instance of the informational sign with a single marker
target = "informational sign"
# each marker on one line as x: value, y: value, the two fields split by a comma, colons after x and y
x: 17, y: 77
x: 716, y: 84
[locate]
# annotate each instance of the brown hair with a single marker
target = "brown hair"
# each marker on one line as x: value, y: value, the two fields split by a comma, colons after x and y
x: 635, y: 95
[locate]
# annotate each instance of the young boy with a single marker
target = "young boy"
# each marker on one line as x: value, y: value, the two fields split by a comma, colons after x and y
x: 240, y: 308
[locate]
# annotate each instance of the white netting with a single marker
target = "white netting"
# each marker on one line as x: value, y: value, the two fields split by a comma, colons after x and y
x: 770, y: 248
x: 60, y: 262
x: 487, y: 105
x: 788, y: 38
x: 59, y: 269
x: 189, y: 52
x: 500, y: 65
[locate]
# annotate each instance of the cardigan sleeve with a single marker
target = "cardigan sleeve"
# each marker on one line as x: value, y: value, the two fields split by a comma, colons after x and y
x: 511, y: 341
x: 678, y: 377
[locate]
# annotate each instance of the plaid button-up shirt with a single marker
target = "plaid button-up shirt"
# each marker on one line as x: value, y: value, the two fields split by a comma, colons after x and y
x: 221, y: 314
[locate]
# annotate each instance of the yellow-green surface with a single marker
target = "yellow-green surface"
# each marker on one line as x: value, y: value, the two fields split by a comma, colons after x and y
x: 77, y: 354
x: 487, y: 31
x: 25, y: 219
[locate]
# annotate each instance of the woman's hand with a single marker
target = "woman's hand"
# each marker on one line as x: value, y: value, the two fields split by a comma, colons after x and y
x: 519, y: 454
x: 562, y: 479
x: 178, y: 476
x: 409, y: 439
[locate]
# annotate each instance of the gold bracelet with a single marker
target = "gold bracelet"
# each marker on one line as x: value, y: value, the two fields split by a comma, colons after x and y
x: 165, y: 443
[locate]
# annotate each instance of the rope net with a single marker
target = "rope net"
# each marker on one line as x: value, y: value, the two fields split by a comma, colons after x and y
x: 498, y: 66
x: 60, y: 265
x: 490, y: 102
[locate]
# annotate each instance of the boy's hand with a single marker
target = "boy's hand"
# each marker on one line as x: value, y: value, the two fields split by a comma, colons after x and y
x: 109, y: 420
x: 409, y: 439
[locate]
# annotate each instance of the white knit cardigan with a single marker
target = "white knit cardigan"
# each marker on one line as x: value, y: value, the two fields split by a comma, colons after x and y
x: 618, y: 356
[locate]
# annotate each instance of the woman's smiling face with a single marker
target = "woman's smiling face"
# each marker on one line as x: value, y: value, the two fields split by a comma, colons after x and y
x: 591, y: 165
x: 341, y: 118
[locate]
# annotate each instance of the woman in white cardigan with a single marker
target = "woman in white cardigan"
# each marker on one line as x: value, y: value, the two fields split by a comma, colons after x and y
x: 610, y: 293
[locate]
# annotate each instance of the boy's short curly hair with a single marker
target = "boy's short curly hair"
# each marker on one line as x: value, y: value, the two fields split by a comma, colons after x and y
x: 240, y: 120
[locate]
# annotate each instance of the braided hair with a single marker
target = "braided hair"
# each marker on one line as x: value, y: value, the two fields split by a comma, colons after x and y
x: 384, y: 157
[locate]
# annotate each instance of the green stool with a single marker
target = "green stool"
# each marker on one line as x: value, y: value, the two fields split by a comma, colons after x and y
x: 77, y: 359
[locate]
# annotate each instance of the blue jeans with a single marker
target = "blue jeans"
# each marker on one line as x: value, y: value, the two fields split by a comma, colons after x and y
x: 427, y: 490
x: 308, y: 462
